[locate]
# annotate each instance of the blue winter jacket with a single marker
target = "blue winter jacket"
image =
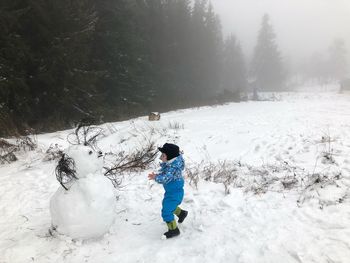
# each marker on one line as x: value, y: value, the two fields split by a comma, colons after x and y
x: 170, y: 173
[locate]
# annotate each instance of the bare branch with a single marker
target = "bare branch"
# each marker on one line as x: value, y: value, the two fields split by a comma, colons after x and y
x: 139, y: 160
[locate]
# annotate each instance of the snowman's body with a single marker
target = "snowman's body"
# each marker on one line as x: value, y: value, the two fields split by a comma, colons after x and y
x: 87, y: 209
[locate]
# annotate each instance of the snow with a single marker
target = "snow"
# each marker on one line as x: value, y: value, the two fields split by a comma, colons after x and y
x: 238, y: 227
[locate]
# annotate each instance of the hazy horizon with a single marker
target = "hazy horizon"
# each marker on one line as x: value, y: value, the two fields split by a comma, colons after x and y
x: 303, y: 27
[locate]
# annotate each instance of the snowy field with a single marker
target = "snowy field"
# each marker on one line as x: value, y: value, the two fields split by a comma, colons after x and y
x: 304, y: 223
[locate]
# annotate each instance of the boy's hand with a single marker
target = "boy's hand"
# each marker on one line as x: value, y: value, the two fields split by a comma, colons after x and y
x: 151, y: 176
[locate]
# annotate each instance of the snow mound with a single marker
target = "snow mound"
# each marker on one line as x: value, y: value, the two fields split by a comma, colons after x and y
x: 86, y: 210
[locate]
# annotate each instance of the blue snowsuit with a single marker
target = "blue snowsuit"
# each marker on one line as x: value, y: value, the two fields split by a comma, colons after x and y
x: 170, y: 176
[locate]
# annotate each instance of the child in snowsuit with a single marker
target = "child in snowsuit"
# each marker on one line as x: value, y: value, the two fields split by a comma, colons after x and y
x: 170, y: 176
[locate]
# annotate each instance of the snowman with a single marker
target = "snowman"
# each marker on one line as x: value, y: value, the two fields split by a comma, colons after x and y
x: 84, y: 206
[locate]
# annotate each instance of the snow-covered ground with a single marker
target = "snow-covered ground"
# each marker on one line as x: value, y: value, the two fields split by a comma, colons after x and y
x: 297, y: 128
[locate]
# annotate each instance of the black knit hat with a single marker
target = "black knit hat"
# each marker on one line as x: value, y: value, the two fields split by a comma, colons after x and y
x: 171, y: 150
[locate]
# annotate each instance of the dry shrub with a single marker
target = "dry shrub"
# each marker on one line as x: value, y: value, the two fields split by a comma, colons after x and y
x: 136, y: 161
x: 260, y: 179
x: 53, y: 153
x: 176, y: 125
x: 327, y: 154
x: 7, y: 151
x: 224, y: 172
x: 22, y: 143
x: 314, y: 182
x: 27, y: 143
x: 256, y: 179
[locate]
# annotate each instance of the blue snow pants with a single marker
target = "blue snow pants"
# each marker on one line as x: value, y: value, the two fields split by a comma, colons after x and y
x: 174, y: 193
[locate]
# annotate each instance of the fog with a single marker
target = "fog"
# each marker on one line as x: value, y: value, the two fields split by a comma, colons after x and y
x: 303, y: 27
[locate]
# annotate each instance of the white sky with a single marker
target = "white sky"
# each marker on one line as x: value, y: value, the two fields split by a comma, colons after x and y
x: 302, y: 26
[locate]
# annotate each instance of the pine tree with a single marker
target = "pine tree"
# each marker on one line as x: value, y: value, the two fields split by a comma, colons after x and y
x: 14, y: 54
x: 177, y: 51
x: 206, y: 50
x: 337, y: 59
x: 267, y: 68
x: 214, y: 46
x: 234, y: 78
x: 111, y: 49
x: 198, y: 52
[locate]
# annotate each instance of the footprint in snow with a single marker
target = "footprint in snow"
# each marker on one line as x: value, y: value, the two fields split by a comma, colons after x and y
x: 257, y: 148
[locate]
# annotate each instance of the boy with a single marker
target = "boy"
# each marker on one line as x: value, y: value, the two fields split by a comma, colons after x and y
x: 170, y: 176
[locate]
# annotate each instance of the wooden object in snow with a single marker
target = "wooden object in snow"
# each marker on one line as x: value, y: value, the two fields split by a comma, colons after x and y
x: 154, y: 116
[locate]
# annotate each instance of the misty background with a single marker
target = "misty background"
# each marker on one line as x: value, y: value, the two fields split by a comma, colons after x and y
x: 63, y: 61
x: 303, y: 27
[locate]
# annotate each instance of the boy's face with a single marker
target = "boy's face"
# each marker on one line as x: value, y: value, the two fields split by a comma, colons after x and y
x: 163, y: 157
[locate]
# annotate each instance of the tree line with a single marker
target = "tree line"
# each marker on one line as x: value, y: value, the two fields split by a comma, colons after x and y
x: 61, y: 61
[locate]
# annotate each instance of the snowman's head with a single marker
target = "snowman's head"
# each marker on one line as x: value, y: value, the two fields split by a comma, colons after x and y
x: 86, y: 160
x: 78, y: 162
x: 83, y: 157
